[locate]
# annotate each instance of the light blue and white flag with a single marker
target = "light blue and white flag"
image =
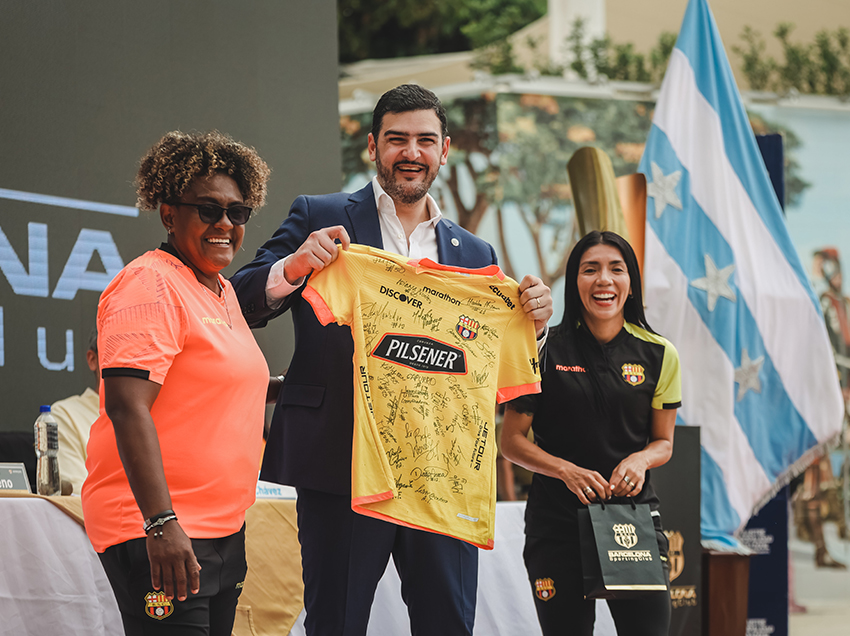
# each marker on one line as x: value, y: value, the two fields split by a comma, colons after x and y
x: 726, y: 286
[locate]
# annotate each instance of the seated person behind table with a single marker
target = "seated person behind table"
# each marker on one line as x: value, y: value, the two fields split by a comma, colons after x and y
x: 75, y: 415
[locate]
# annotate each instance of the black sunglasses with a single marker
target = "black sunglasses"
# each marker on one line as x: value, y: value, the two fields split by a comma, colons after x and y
x: 211, y: 213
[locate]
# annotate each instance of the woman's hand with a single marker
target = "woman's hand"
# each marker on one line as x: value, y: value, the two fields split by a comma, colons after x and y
x: 588, y: 485
x: 128, y: 401
x: 174, y: 567
x: 629, y: 476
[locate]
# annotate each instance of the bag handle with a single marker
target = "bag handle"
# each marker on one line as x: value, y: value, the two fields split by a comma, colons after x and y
x: 631, y: 500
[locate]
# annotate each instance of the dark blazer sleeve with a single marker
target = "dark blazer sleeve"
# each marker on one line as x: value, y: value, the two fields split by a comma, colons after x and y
x: 250, y: 281
x: 309, y: 443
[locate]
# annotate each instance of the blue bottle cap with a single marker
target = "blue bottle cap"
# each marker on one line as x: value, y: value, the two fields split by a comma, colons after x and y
x: 45, y: 408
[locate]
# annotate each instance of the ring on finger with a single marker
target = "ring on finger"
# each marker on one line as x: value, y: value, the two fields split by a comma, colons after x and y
x: 538, y: 302
x: 634, y: 485
x: 626, y: 479
x: 588, y: 490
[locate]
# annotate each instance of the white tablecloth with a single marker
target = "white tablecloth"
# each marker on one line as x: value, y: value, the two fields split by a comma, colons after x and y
x: 52, y: 583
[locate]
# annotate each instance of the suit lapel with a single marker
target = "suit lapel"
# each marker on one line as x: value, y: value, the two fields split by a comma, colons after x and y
x: 363, y: 216
x: 449, y: 244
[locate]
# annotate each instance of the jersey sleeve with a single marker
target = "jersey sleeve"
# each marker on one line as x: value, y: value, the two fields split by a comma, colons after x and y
x: 668, y: 391
x: 142, y: 325
x: 519, y: 367
x: 331, y: 292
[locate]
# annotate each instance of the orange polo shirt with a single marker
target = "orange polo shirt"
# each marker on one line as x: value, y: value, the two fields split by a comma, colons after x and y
x: 157, y: 322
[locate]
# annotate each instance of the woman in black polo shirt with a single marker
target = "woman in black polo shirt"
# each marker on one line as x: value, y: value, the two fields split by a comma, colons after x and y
x: 605, y: 416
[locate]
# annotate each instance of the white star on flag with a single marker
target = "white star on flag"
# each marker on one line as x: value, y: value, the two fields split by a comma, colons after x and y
x: 663, y: 189
x: 747, y: 375
x: 715, y: 283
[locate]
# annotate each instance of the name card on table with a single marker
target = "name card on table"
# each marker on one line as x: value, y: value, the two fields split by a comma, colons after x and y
x: 268, y: 490
x: 13, y: 477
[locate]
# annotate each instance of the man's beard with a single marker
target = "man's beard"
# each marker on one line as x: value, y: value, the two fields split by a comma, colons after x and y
x: 401, y: 191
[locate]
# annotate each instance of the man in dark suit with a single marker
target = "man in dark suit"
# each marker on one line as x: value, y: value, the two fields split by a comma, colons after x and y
x: 345, y: 554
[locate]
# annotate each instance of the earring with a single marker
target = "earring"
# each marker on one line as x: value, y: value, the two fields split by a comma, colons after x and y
x: 170, y: 230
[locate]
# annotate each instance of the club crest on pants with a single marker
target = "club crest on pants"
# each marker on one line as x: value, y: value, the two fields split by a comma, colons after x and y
x: 158, y: 606
x: 625, y: 535
x: 544, y: 589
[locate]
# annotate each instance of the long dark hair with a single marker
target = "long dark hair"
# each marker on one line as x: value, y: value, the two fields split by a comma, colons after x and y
x: 632, y: 310
x: 587, y: 347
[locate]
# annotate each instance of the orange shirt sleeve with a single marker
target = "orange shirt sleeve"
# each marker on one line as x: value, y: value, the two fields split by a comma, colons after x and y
x: 142, y: 325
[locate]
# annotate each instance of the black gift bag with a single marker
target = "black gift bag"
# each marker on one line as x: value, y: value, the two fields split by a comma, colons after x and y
x: 619, y: 551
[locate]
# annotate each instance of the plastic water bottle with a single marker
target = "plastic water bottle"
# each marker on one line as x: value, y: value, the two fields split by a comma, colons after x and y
x: 47, y: 454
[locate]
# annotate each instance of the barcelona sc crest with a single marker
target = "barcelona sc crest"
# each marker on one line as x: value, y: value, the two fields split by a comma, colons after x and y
x: 625, y: 535
x: 633, y: 374
x: 676, y: 553
x: 467, y: 328
x: 157, y: 606
x: 544, y: 589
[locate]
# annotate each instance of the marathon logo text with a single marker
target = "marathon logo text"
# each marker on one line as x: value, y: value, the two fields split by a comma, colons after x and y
x: 499, y: 293
x: 421, y: 353
x: 401, y: 296
x: 441, y: 295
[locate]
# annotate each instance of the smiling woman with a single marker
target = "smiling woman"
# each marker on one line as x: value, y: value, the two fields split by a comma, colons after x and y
x: 173, y: 455
x: 221, y: 179
x: 201, y: 227
x: 605, y: 416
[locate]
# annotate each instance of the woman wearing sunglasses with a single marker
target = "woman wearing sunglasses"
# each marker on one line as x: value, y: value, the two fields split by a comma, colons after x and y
x: 172, y: 459
x: 605, y: 416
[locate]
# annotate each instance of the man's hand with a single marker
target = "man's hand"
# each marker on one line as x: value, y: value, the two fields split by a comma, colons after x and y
x: 536, y: 301
x: 316, y: 253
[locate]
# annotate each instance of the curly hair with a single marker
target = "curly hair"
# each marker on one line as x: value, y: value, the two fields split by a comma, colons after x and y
x: 178, y: 158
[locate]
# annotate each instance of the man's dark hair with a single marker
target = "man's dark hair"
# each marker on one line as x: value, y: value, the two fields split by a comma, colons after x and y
x: 405, y: 98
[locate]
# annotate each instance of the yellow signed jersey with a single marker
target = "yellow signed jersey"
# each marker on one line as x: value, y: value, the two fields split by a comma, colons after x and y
x: 434, y: 348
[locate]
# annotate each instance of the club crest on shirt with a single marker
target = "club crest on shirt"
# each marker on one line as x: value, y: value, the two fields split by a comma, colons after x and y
x: 633, y: 374
x: 467, y: 328
x: 544, y: 589
x: 158, y: 606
